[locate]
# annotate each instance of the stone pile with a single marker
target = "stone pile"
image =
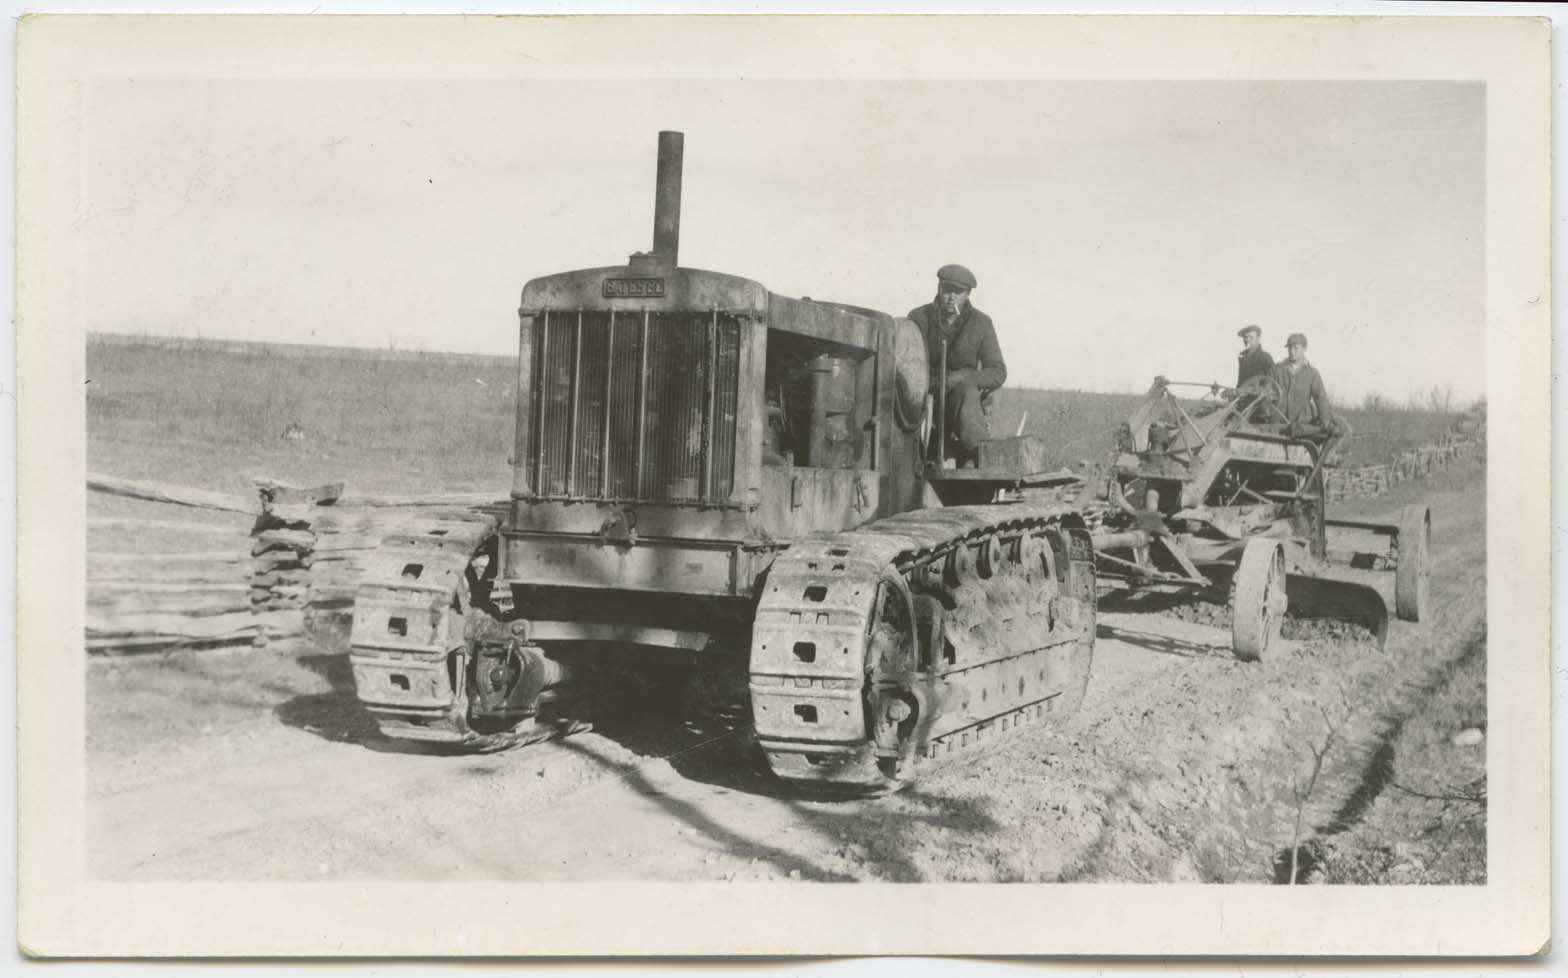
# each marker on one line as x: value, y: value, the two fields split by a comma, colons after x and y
x: 1416, y: 463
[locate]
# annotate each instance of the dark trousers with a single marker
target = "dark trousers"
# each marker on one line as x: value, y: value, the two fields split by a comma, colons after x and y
x: 967, y: 424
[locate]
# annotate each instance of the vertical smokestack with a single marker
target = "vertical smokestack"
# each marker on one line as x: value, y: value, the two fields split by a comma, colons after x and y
x: 667, y: 199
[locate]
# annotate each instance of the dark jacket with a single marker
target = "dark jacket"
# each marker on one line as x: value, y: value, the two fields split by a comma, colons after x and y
x: 971, y: 344
x: 1253, y: 363
x: 1303, y: 399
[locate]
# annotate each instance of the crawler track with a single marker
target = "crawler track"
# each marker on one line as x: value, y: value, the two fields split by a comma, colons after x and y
x: 409, y: 616
x: 879, y: 649
x: 874, y: 651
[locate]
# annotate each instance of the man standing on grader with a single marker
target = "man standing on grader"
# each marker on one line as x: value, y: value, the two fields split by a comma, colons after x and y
x: 1302, y: 399
x: 1253, y: 360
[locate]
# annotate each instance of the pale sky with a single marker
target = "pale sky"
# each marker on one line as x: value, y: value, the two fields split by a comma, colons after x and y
x: 1118, y: 229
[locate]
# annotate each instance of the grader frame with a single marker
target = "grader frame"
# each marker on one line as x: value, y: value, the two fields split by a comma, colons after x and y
x: 1223, y: 496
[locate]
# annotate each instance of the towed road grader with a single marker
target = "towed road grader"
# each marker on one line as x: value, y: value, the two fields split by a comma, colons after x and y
x: 706, y: 467
x: 1227, y: 498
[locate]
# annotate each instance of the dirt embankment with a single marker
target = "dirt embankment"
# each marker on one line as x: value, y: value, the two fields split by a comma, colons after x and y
x: 1184, y: 764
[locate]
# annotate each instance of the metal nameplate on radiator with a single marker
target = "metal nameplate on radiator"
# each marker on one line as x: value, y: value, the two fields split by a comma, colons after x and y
x: 633, y: 288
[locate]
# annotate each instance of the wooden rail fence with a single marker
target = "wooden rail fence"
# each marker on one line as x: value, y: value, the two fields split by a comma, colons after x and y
x: 297, y: 558
x: 300, y: 552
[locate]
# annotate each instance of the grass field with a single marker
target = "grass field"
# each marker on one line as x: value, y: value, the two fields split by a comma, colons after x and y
x: 402, y: 423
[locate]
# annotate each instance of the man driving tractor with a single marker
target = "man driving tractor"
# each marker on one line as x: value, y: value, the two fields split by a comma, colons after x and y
x: 975, y: 366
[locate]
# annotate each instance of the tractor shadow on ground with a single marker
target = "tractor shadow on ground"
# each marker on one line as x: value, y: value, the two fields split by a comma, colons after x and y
x: 1181, y: 605
x: 336, y: 715
x: 834, y: 847
x: 893, y: 838
x: 648, y: 721
x: 721, y: 754
x: 1163, y: 644
x: 1150, y: 602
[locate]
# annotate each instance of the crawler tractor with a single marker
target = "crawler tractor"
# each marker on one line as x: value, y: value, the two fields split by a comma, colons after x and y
x: 1225, y: 497
x: 708, y: 468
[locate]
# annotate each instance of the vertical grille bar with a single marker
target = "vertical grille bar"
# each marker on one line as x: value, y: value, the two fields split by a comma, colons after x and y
x: 539, y: 404
x: 709, y: 426
x: 725, y: 407
x: 522, y: 432
x: 686, y: 455
x: 623, y: 387
x: 593, y: 404
x: 642, y: 405
x: 571, y: 430
x: 609, y: 399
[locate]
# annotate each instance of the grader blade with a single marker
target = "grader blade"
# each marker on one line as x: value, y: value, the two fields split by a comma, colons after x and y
x: 1339, y: 594
x: 1363, y: 544
x: 1398, y: 547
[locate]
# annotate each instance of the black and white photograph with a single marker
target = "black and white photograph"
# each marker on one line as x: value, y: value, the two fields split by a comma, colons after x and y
x: 856, y: 451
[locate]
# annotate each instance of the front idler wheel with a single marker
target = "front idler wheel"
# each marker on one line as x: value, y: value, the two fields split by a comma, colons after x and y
x: 894, y: 709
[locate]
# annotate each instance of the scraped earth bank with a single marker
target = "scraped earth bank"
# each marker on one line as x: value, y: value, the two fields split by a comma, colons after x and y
x: 1183, y: 764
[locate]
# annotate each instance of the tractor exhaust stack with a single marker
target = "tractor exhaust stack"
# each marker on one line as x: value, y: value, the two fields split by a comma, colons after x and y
x: 667, y: 199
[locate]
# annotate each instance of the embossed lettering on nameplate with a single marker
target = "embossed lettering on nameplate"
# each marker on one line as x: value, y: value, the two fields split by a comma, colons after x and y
x: 633, y: 288
x: 1269, y: 452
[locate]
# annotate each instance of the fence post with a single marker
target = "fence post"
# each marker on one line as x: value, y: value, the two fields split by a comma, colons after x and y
x: 282, y: 553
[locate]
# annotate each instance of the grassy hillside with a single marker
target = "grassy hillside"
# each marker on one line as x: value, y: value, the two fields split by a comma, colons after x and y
x: 217, y: 417
x: 214, y: 414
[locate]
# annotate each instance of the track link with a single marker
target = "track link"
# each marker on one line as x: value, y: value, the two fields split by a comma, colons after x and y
x: 408, y: 631
x: 926, y: 634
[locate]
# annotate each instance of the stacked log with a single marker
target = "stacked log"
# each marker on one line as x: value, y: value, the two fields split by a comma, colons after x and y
x: 283, y: 553
x: 282, y: 556
x: 342, y: 532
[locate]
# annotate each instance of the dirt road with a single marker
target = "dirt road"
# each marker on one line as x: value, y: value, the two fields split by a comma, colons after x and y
x: 1183, y: 764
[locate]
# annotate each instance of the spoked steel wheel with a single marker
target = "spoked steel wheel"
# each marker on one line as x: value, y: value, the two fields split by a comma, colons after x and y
x: 1258, y: 599
x: 1260, y: 398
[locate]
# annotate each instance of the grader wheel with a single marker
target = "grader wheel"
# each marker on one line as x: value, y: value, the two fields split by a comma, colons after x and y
x: 1258, y: 599
x: 1411, y: 576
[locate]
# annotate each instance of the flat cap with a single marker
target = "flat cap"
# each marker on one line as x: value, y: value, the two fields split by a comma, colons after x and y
x: 1242, y: 332
x: 956, y: 274
x: 1295, y: 338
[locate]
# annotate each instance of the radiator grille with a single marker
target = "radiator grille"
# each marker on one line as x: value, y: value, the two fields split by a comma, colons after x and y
x: 635, y: 406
